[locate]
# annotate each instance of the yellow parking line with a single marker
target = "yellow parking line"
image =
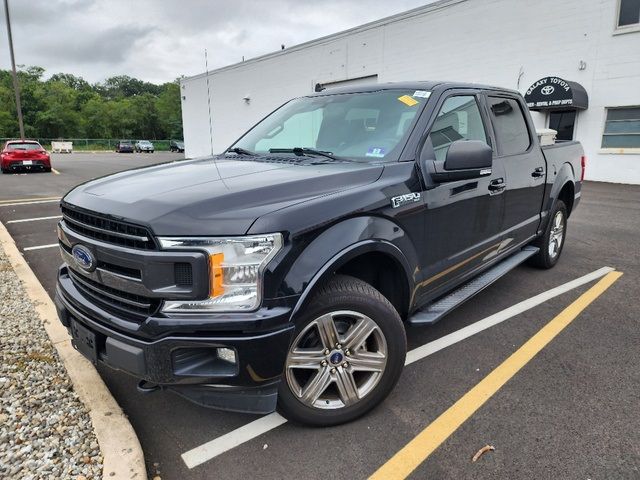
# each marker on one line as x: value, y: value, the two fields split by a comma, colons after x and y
x: 417, y: 450
x: 55, y: 171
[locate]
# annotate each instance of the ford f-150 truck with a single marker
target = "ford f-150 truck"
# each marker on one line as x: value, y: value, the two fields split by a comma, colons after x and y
x: 284, y: 272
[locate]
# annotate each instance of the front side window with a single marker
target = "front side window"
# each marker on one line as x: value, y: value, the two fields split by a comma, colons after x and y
x: 510, y: 126
x: 622, y: 128
x: 459, y: 119
x: 366, y: 126
x: 628, y: 13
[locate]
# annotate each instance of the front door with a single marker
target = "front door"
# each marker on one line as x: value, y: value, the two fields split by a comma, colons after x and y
x: 463, y: 219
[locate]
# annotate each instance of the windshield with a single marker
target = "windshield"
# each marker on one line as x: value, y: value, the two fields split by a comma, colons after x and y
x: 361, y: 126
x: 24, y: 146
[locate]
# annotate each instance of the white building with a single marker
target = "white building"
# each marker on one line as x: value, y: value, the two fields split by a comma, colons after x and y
x: 594, y: 45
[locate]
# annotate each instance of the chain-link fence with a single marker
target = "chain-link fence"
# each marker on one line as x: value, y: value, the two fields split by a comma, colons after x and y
x: 93, y: 144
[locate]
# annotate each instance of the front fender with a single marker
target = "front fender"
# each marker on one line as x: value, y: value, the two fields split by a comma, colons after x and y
x: 342, y: 242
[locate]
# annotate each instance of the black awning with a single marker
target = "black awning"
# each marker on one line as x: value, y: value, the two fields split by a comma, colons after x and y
x: 553, y: 93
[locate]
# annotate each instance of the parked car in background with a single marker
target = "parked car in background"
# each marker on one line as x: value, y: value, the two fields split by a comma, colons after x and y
x: 144, y: 146
x: 124, y: 146
x: 21, y: 155
x: 176, y: 146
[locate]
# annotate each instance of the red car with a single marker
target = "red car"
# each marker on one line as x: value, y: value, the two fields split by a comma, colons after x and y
x: 24, y: 155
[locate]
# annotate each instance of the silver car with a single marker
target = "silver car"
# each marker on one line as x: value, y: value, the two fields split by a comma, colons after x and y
x: 144, y: 146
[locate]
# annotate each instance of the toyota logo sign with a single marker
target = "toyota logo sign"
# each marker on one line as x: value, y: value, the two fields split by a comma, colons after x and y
x: 548, y: 90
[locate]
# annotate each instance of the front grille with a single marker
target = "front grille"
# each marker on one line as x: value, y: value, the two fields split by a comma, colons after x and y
x: 110, y: 267
x: 104, y: 229
x: 111, y: 299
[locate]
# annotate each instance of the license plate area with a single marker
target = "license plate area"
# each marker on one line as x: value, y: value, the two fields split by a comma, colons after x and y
x: 27, y: 162
x: 85, y: 341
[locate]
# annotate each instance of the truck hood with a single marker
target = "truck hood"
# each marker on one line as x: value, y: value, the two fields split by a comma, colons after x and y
x: 215, y: 195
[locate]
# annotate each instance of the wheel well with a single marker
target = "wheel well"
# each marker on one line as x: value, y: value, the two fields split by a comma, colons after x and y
x: 384, y: 274
x: 567, y: 196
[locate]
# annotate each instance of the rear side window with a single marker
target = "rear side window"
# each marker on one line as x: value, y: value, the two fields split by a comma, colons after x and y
x: 459, y: 119
x: 24, y: 146
x: 510, y: 126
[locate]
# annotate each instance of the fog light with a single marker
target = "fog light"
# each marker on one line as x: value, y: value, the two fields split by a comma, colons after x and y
x: 227, y: 354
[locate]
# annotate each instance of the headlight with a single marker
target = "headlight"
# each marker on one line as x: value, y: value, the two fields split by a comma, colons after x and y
x: 235, y: 271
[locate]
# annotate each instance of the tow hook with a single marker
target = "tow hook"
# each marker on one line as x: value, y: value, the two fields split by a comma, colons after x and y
x: 147, y: 387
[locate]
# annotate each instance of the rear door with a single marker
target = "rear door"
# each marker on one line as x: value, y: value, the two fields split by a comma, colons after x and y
x: 463, y: 218
x: 524, y: 166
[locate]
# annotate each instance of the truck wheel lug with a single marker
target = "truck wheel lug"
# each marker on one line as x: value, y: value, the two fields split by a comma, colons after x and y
x: 326, y: 351
x: 338, y: 345
x: 323, y: 363
x: 345, y: 364
x: 333, y: 370
x: 347, y: 352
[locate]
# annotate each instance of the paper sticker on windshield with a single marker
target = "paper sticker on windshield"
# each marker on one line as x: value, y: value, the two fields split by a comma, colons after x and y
x: 407, y: 100
x: 421, y: 94
x: 377, y: 152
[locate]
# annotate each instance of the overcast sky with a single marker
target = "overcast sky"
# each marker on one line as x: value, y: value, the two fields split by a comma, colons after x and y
x: 159, y: 40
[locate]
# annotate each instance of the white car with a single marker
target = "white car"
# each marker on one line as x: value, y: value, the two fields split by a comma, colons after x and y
x: 144, y: 146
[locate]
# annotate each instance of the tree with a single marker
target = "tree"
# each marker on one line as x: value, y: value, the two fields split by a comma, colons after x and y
x: 67, y: 106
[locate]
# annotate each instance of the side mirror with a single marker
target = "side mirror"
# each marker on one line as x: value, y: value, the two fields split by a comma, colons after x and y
x: 466, y: 159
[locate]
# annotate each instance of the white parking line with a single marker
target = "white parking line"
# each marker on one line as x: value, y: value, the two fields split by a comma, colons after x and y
x: 251, y: 430
x: 30, y: 202
x: 34, y: 219
x: 40, y: 247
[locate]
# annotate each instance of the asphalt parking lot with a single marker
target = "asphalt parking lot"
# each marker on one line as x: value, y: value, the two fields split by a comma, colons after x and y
x: 570, y: 412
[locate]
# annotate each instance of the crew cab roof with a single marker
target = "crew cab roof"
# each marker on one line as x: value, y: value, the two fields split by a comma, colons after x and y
x: 416, y: 85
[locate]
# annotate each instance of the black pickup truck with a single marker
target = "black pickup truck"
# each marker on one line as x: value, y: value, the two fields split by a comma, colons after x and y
x: 283, y: 272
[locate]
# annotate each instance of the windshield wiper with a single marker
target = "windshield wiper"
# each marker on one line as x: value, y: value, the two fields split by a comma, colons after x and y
x: 241, y: 151
x: 309, y: 151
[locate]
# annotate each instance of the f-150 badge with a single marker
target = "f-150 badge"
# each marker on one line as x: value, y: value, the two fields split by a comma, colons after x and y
x: 404, y: 199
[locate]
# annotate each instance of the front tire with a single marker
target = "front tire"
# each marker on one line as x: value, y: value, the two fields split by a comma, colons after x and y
x: 347, y: 355
x: 552, y: 240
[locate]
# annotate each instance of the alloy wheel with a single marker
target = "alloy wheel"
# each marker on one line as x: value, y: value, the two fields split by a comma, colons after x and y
x: 336, y: 360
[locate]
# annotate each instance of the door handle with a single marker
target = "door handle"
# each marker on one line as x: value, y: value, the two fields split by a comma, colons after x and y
x: 538, y: 172
x: 497, y: 185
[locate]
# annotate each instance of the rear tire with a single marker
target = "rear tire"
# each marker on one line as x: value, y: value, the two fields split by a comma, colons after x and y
x: 351, y: 345
x: 552, y: 241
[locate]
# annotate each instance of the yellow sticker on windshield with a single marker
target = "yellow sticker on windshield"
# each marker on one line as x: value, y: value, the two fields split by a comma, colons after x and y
x: 407, y: 100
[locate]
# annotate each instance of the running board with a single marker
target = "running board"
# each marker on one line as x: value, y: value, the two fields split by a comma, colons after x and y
x: 438, y: 309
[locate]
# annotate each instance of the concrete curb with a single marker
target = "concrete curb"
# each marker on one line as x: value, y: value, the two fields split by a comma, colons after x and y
x: 121, y: 450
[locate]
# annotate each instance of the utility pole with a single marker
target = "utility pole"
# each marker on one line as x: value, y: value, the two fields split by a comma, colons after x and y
x: 16, y: 85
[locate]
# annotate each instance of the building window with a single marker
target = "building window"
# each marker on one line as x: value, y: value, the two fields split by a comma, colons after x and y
x: 563, y: 123
x: 622, y: 128
x: 628, y: 13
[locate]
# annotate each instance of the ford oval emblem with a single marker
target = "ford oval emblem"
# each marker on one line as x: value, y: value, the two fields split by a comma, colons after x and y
x: 336, y: 358
x: 84, y: 258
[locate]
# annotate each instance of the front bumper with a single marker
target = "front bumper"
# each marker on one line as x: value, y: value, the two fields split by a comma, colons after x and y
x: 186, y: 363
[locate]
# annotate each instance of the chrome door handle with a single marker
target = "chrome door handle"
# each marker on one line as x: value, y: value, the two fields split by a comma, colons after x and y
x: 538, y: 172
x: 497, y: 185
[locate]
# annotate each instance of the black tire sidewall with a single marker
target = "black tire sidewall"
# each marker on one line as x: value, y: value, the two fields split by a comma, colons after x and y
x: 361, y: 298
